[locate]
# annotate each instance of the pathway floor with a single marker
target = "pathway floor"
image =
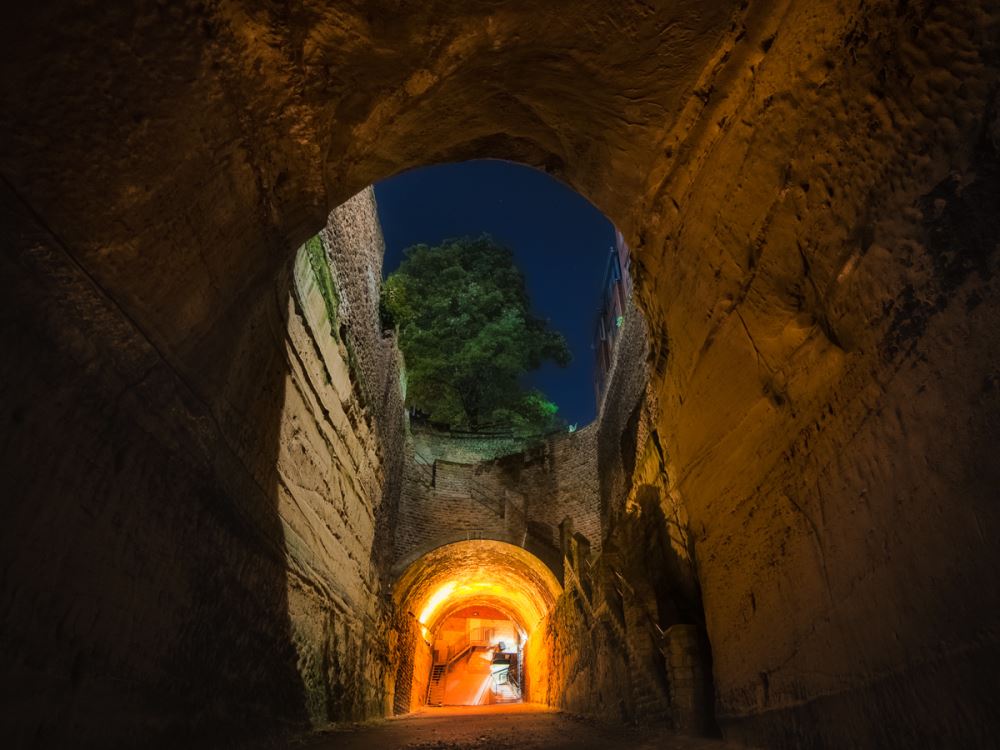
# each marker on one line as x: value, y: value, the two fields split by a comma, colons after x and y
x: 518, y: 726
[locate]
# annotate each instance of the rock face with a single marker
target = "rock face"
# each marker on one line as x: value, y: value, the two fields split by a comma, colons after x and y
x: 228, y: 565
x: 810, y: 191
x: 339, y: 467
x: 627, y: 640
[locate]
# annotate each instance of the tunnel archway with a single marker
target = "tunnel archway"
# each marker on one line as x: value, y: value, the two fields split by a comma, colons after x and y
x: 460, y: 575
x: 827, y: 395
x: 549, y: 556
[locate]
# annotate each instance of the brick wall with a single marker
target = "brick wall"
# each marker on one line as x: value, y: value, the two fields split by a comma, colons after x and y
x: 520, y: 498
x: 353, y: 244
x: 495, y: 487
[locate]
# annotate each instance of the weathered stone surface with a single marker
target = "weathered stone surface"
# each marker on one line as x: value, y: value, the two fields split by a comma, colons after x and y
x: 809, y: 188
x: 219, y: 556
x: 339, y: 459
x: 602, y: 638
x: 521, y: 497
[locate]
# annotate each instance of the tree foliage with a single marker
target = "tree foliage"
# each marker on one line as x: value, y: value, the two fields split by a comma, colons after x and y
x: 468, y: 336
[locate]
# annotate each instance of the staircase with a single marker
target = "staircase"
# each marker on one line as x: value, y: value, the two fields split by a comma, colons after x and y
x: 459, y: 650
x: 504, y: 688
x: 435, y: 688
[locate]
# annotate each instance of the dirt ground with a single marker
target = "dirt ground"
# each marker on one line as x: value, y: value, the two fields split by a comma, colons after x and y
x: 520, y: 726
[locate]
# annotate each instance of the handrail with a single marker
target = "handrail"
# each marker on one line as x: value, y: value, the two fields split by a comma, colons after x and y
x: 649, y: 618
x: 455, y: 650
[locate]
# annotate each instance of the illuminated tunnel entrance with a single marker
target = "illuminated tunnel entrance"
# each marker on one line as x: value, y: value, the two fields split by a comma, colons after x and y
x: 468, y: 613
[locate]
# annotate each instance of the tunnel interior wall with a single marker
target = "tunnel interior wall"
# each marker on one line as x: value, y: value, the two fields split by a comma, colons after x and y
x: 825, y: 420
x: 202, y: 566
x: 809, y: 190
x: 820, y: 425
x: 144, y: 557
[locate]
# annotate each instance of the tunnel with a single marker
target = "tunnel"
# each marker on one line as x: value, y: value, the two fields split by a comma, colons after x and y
x: 219, y: 526
x: 455, y: 582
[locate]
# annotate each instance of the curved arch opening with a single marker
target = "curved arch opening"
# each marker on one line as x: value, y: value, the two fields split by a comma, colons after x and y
x: 470, y: 609
x: 574, y: 263
x: 483, y: 517
x: 810, y: 190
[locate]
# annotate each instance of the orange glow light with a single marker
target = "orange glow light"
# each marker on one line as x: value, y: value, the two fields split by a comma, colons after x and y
x: 435, y: 600
x: 476, y: 573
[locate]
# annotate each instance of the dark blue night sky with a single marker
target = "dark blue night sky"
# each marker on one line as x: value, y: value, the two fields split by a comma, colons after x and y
x: 561, y: 243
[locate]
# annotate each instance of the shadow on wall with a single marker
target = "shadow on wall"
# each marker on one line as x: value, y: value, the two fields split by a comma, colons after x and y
x: 143, y: 555
x: 204, y: 548
x: 647, y: 536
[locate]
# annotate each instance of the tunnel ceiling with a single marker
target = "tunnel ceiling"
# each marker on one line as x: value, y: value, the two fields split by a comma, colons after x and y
x: 325, y: 101
x: 477, y: 572
x: 810, y: 190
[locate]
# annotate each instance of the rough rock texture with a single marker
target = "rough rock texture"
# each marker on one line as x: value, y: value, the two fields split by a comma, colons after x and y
x: 609, y: 655
x: 521, y: 497
x: 809, y: 187
x: 598, y: 654
x: 339, y: 464
x: 196, y: 569
x: 353, y: 241
x: 828, y: 414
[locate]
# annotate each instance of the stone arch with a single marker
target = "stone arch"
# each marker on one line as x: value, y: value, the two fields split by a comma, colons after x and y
x: 826, y: 325
x: 314, y: 139
x: 548, y: 556
x: 467, y: 573
x: 477, y: 570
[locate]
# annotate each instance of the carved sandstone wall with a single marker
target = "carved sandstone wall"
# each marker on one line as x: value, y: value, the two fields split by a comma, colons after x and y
x: 344, y: 447
x: 605, y: 639
x: 215, y: 568
x: 808, y: 188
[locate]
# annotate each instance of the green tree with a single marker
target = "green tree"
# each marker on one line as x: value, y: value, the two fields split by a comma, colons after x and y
x: 468, y: 336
